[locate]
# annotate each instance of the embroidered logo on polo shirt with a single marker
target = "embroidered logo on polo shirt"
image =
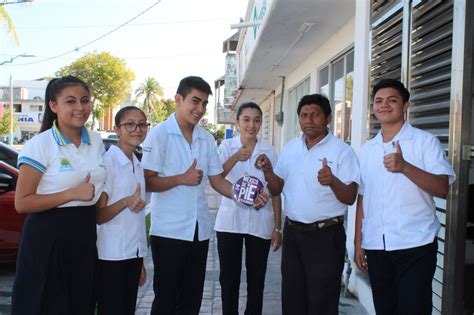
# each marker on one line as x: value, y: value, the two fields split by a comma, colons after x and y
x: 65, y: 166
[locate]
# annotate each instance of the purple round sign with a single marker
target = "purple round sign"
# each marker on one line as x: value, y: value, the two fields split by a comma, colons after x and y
x: 246, y: 190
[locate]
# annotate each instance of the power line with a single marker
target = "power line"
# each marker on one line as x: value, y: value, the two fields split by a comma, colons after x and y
x: 202, y: 53
x: 133, y: 24
x: 94, y: 40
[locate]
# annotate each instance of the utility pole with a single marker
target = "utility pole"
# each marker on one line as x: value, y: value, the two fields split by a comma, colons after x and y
x: 11, y: 111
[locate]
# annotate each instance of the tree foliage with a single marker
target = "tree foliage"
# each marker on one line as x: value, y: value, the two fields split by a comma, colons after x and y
x: 217, y: 133
x: 108, y: 77
x: 164, y: 109
x: 151, y: 93
x: 5, y: 18
x: 5, y: 123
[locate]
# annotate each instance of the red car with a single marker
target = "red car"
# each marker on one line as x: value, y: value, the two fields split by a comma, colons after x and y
x: 11, y: 222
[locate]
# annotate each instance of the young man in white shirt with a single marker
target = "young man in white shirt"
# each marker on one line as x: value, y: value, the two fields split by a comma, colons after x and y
x: 402, y: 169
x: 178, y: 155
x: 319, y: 175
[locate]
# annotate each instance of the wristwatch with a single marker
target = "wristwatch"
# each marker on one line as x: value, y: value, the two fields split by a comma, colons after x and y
x: 277, y: 230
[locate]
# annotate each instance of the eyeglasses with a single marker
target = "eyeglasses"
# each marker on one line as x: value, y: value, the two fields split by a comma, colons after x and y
x: 131, y: 126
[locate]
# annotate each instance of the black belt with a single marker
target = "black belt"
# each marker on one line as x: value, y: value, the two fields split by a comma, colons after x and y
x: 305, y: 227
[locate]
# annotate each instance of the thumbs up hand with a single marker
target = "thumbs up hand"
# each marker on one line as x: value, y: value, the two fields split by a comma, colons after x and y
x: 394, y: 162
x: 243, y: 154
x: 325, y: 176
x: 85, y: 191
x: 134, y: 202
x: 192, y: 176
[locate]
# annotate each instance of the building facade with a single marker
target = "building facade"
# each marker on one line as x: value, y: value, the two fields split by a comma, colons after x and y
x: 340, y: 48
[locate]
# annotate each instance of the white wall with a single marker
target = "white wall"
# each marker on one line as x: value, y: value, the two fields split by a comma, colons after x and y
x: 338, y: 43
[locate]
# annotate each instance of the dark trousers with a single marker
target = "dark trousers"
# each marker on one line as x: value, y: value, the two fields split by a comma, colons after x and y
x: 117, y: 286
x: 311, y: 267
x: 401, y: 279
x: 180, y: 269
x: 229, y: 246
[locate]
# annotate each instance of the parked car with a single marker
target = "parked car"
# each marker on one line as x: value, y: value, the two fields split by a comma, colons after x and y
x: 11, y: 222
x: 114, y: 140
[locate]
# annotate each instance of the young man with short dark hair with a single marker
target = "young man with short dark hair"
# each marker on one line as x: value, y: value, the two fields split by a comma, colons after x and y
x: 402, y: 169
x: 178, y: 156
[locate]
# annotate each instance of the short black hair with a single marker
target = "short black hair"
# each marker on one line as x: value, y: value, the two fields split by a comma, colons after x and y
x: 193, y: 82
x: 316, y: 99
x: 123, y: 111
x: 248, y: 105
x: 394, y: 84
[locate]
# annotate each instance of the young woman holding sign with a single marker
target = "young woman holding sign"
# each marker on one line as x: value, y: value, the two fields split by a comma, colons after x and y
x: 237, y: 223
x: 121, y: 239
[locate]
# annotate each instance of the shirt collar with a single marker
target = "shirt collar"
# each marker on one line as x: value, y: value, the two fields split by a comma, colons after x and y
x: 173, y: 127
x: 236, y: 143
x: 323, y: 140
x: 62, y: 140
x: 121, y: 157
x: 405, y: 133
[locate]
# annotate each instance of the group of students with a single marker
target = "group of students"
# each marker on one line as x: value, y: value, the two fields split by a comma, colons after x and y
x: 84, y: 240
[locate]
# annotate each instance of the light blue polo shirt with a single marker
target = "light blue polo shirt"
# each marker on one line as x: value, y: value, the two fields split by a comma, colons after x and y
x: 174, y: 212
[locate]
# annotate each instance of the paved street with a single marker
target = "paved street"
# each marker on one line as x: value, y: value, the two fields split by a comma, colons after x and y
x: 7, y: 274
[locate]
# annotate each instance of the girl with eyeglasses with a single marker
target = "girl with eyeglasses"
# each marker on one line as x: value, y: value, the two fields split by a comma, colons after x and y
x: 121, y: 235
x: 61, y: 177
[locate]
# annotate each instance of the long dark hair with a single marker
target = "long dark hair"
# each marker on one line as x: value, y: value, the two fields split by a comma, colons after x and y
x: 54, y: 88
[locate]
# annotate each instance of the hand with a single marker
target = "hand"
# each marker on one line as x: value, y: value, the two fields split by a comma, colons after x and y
x: 134, y: 202
x: 193, y: 176
x: 263, y: 163
x: 325, y: 176
x: 276, y: 241
x: 394, y: 162
x: 85, y: 191
x: 360, y: 259
x: 243, y: 154
x: 261, y: 200
x: 142, y: 279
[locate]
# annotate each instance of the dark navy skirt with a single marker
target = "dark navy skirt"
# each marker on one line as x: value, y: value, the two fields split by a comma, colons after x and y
x: 56, y: 263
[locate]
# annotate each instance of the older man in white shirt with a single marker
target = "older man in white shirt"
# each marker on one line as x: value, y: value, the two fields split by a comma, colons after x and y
x: 402, y: 168
x: 319, y: 175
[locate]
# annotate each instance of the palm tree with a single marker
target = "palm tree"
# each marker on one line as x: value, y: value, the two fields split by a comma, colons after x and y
x: 4, y: 17
x: 151, y: 92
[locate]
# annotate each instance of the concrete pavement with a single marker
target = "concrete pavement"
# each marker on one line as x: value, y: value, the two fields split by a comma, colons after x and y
x: 211, y: 303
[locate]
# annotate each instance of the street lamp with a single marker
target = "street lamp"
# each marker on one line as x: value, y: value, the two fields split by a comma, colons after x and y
x: 11, y: 93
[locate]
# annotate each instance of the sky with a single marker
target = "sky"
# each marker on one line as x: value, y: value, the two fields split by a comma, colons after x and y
x: 171, y: 40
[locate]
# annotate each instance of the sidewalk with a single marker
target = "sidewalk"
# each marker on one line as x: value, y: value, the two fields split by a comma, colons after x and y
x: 211, y: 302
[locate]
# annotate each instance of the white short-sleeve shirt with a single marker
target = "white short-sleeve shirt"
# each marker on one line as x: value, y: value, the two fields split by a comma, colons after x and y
x: 63, y: 165
x: 306, y: 200
x: 123, y: 237
x: 234, y: 217
x: 396, y: 210
x: 174, y: 212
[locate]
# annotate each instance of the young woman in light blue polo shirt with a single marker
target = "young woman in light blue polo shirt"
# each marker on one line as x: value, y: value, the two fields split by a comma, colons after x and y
x: 61, y: 177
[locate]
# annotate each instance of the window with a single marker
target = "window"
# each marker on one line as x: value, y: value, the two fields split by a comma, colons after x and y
x: 294, y: 96
x: 36, y: 108
x: 335, y: 82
